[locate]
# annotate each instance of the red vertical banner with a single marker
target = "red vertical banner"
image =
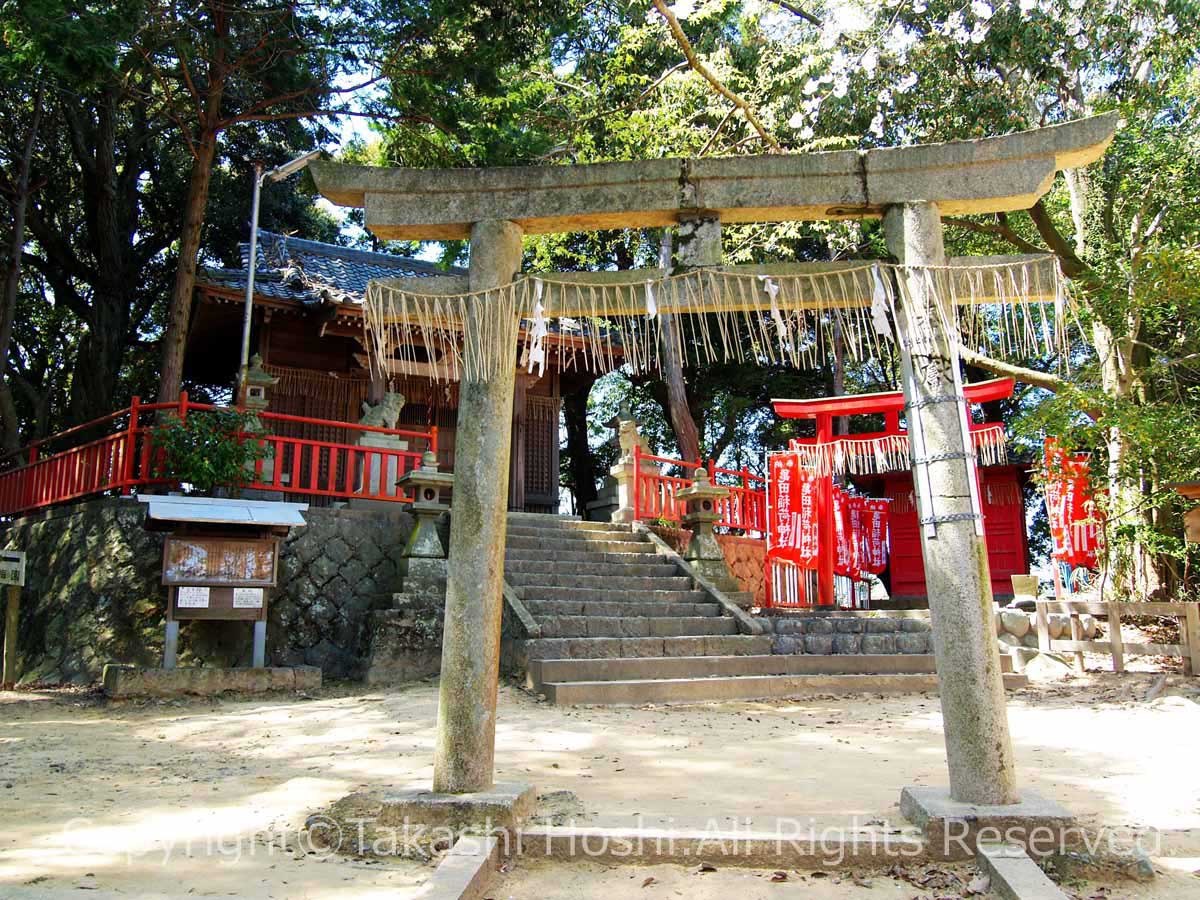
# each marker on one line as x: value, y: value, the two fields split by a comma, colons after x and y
x: 1071, y: 507
x: 793, y: 525
x: 782, y: 489
x: 843, y: 561
x: 808, y: 544
x: 875, y: 536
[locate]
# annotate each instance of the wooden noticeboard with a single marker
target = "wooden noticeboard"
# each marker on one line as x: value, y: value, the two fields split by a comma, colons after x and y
x: 220, y: 561
x: 191, y: 601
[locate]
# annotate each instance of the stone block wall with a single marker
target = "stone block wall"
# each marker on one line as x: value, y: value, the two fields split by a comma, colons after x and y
x: 746, y: 557
x: 94, y: 593
x: 830, y: 634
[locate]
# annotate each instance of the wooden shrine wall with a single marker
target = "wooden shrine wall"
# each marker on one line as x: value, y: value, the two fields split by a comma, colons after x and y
x: 1003, y: 522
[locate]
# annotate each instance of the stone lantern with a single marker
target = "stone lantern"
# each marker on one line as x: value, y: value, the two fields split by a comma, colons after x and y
x: 699, y: 515
x: 254, y: 401
x: 257, y: 382
x: 426, y: 484
x: 423, y: 569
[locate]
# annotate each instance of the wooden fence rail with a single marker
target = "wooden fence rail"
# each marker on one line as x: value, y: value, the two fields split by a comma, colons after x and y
x: 1188, y: 615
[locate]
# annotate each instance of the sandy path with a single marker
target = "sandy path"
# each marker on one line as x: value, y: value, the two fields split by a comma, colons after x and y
x: 112, y: 790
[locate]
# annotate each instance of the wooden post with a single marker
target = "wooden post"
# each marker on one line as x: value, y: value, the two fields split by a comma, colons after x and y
x: 11, y: 617
x: 1043, y: 627
x: 1114, y: 636
x: 1077, y: 635
x: 1191, y: 640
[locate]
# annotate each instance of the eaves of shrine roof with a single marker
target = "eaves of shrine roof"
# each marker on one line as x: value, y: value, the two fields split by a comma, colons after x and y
x: 313, y: 273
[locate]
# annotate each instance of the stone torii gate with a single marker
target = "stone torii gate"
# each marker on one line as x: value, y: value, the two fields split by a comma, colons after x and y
x: 911, y: 188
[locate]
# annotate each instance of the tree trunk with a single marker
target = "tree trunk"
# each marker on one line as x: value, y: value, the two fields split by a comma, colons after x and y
x: 10, y: 430
x: 100, y: 354
x: 583, y: 465
x: 841, y: 424
x: 179, y: 314
x: 697, y: 247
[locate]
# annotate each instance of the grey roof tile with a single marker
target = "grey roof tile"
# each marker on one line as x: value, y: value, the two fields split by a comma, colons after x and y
x: 312, y: 272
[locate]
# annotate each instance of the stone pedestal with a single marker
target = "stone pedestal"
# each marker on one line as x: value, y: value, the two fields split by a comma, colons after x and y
x: 380, y: 473
x: 978, y: 748
x: 624, y: 473
x: 700, y: 513
x: 954, y: 829
x: 606, y: 503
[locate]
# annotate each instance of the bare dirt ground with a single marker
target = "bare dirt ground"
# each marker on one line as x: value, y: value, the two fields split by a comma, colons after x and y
x: 208, y: 798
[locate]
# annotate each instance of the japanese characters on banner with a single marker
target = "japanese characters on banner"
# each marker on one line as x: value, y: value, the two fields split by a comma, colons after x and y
x: 873, y: 534
x: 861, y: 525
x: 1071, y: 507
x: 845, y: 562
x: 793, y: 525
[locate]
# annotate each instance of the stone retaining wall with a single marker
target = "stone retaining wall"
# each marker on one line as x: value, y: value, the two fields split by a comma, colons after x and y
x: 94, y: 595
x: 746, y: 557
x: 832, y: 634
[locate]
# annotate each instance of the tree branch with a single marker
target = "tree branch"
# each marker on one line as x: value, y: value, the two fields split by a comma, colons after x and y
x: 1045, y: 380
x: 1000, y: 229
x: 701, y: 69
x: 1072, y: 265
x: 798, y: 11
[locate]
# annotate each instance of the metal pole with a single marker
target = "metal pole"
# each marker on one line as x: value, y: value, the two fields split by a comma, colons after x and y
x: 259, y: 658
x: 171, y: 644
x: 248, y: 310
x: 12, y: 613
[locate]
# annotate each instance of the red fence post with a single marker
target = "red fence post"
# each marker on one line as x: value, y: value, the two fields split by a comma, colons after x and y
x: 130, y: 448
x: 433, y: 439
x: 637, y: 488
x: 183, y: 406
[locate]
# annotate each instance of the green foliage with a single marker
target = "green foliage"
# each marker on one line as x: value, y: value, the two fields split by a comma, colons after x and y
x: 209, y: 449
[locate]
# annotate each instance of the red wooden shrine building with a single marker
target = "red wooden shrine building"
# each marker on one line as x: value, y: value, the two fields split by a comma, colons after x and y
x: 877, y: 465
x: 308, y: 329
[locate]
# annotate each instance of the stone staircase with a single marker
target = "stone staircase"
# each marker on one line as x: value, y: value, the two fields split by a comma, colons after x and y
x: 621, y: 624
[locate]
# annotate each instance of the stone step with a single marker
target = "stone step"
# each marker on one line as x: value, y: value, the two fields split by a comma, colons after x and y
x: 614, y: 582
x: 622, y: 610
x: 751, y: 687
x: 561, y: 533
x: 613, y: 648
x: 634, y: 567
x: 637, y: 553
x: 553, y: 548
x: 538, y: 592
x: 563, y: 670
x: 554, y: 537
x: 545, y: 517
x: 558, y: 524
x: 635, y: 626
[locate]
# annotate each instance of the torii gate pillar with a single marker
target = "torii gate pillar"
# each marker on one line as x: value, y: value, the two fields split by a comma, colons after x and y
x: 466, y: 732
x: 975, y: 722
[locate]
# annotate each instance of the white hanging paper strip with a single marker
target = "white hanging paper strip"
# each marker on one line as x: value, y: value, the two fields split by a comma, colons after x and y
x: 721, y: 315
x: 889, y: 453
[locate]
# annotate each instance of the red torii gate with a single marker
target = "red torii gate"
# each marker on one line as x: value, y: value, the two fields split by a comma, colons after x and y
x: 890, y: 403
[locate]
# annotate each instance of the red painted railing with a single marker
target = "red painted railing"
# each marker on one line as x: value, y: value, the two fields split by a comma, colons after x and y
x: 125, y: 459
x: 654, y: 494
